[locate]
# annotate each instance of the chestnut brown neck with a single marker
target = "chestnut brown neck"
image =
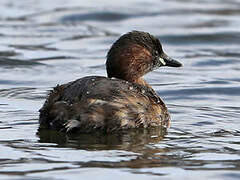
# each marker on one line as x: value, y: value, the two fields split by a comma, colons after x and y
x: 130, y: 63
x: 142, y: 82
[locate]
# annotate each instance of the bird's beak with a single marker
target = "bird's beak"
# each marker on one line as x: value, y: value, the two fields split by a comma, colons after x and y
x: 167, y: 61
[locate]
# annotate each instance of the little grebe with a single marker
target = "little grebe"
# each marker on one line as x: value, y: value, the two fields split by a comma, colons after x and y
x: 124, y: 100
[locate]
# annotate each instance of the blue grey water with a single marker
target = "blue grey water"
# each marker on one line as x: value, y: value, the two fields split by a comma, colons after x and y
x: 44, y: 43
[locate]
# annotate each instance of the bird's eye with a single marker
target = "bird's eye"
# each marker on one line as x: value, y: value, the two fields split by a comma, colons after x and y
x: 156, y: 53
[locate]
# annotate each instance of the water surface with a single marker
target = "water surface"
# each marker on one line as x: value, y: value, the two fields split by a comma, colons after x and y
x: 44, y: 43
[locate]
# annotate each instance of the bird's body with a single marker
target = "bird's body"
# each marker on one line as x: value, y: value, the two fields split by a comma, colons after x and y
x: 99, y: 103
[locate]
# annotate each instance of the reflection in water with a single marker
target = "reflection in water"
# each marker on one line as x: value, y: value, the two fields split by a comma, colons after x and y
x: 138, y: 141
x: 125, y: 140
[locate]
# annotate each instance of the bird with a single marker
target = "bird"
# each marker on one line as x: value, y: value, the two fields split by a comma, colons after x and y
x: 123, y: 100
